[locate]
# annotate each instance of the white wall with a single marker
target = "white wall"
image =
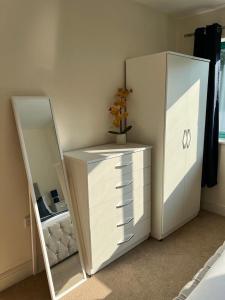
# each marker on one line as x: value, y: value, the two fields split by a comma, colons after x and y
x: 214, y: 198
x: 74, y: 52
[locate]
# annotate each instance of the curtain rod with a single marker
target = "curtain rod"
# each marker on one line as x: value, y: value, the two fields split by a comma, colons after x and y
x: 192, y: 34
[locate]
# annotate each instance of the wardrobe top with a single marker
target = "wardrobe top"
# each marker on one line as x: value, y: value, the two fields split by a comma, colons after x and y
x: 102, y: 152
x: 173, y: 53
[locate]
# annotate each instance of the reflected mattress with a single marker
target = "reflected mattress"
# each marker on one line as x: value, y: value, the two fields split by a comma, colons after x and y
x: 59, y: 238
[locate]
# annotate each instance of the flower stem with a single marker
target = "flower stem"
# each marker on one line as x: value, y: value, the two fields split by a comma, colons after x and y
x: 121, y: 122
x: 125, y: 119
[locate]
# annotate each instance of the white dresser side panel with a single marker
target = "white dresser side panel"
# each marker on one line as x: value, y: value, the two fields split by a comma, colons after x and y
x: 147, y: 77
x: 77, y: 175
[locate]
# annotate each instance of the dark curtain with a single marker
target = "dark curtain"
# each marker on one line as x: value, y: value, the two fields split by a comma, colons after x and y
x: 207, y: 45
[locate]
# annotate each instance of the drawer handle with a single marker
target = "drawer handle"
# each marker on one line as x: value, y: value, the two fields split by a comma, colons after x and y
x: 124, y: 185
x: 124, y: 166
x: 128, y: 220
x: 119, y: 205
x: 127, y: 239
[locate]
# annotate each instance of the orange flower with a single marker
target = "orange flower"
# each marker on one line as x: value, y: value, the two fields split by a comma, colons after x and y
x: 123, y: 93
x: 119, y: 117
x: 116, y: 123
x: 120, y: 94
x: 114, y: 109
x: 119, y: 109
x: 120, y: 102
x: 125, y: 115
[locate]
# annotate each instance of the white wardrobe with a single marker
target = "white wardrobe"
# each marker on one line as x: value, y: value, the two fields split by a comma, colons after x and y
x: 167, y: 109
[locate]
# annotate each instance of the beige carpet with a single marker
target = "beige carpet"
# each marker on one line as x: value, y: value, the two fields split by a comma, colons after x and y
x: 152, y: 271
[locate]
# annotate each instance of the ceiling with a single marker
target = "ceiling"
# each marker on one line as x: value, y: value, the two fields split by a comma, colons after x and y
x: 183, y: 7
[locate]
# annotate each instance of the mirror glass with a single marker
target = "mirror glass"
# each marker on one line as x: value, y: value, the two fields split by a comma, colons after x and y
x: 50, y: 194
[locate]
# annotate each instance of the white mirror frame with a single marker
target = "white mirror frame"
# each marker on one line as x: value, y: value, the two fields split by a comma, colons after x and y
x: 15, y: 100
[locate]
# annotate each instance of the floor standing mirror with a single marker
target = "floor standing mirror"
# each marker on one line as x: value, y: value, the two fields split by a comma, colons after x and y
x: 50, y: 195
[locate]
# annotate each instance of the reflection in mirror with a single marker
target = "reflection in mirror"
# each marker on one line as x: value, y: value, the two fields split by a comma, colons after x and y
x: 50, y: 193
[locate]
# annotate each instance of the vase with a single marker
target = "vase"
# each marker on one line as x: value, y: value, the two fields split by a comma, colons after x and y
x: 121, y: 139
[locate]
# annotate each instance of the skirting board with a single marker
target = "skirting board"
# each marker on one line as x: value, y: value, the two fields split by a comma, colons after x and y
x: 15, y: 275
x: 216, y: 208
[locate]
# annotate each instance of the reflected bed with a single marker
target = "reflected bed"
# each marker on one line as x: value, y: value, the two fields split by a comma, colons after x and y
x: 59, y: 238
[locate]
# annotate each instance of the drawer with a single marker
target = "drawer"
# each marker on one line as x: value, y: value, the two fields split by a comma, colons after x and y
x: 117, y: 167
x: 104, y: 249
x: 135, y: 211
x: 114, y: 212
x: 118, y: 188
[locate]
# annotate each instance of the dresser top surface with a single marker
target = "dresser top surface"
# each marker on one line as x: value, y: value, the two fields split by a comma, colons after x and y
x: 102, y: 152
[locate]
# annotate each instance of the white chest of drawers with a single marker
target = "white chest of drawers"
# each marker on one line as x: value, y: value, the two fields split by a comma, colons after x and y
x: 110, y: 188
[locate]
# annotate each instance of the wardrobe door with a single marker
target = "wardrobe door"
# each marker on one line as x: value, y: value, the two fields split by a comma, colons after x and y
x: 175, y: 143
x: 196, y: 109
